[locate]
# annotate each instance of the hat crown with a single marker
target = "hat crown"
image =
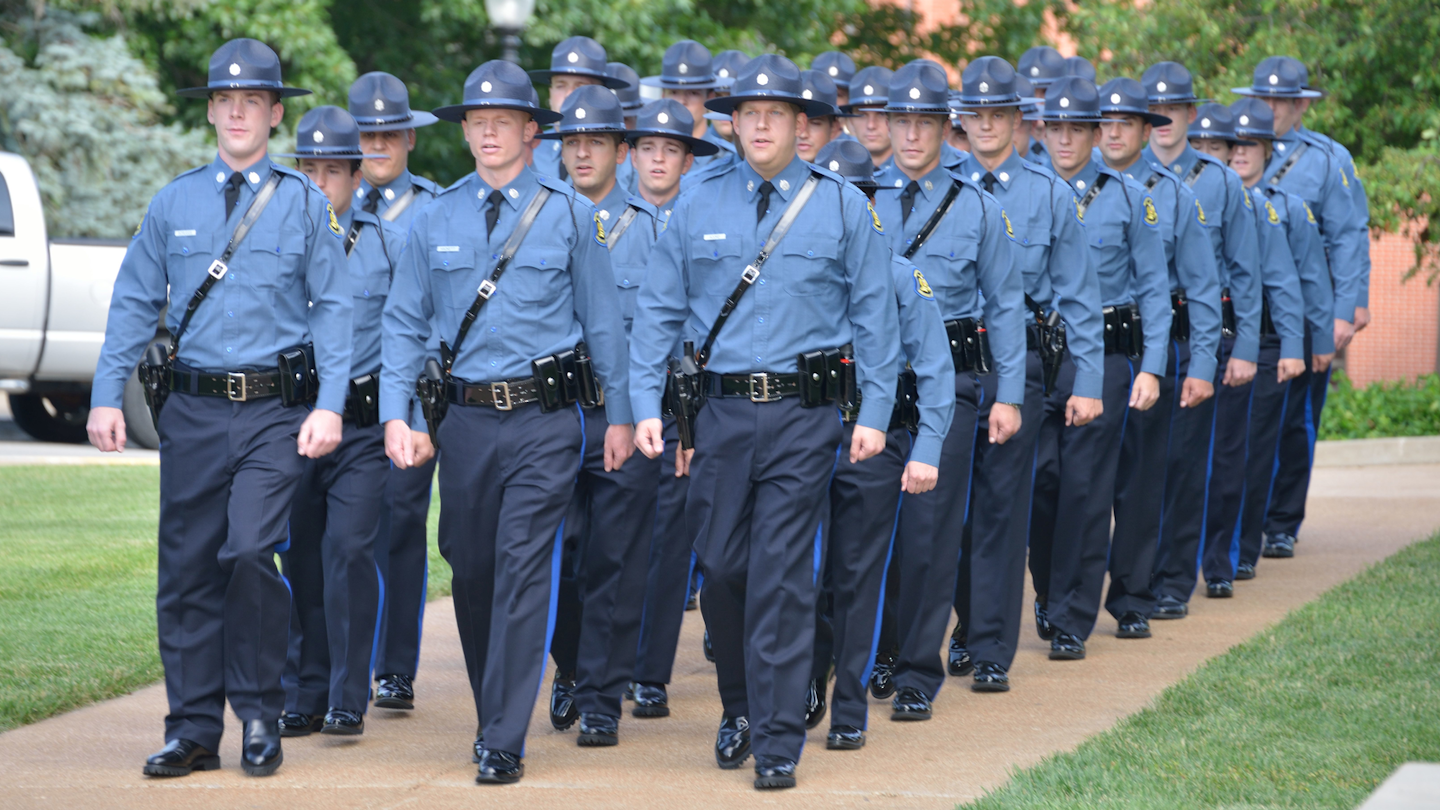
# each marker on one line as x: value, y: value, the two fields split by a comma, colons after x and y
x: 919, y: 85
x: 498, y: 80
x: 1253, y: 118
x: 848, y: 159
x: 728, y: 64
x: 1279, y: 75
x: 819, y: 86
x: 871, y: 85
x: 245, y: 63
x: 1072, y: 97
x: 629, y: 96
x: 1079, y: 66
x: 769, y: 74
x: 1123, y: 94
x: 988, y: 80
x: 667, y: 115
x: 1168, y: 81
x: 379, y: 96
x: 1213, y: 120
x: 838, y: 66
x: 590, y: 108
x: 687, y: 61
x: 581, y: 55
x: 1042, y: 65
x: 327, y: 130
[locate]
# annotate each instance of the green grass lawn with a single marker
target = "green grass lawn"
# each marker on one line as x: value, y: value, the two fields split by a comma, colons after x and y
x: 77, y: 586
x: 1313, y: 713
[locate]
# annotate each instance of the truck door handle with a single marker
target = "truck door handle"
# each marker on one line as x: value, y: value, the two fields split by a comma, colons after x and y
x: 14, y: 262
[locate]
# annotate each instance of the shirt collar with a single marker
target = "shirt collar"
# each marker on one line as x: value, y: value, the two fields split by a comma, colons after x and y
x: 786, y: 183
x: 1085, y: 178
x: 254, y: 176
x: 931, y: 184
x: 515, y: 192
x: 391, y: 191
x: 614, y: 202
x: 1287, y: 142
x: 1005, y: 173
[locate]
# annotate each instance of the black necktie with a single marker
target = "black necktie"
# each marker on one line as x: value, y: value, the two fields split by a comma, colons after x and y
x: 372, y: 201
x: 232, y: 193
x: 762, y: 205
x: 492, y: 214
x: 989, y: 182
x: 907, y: 201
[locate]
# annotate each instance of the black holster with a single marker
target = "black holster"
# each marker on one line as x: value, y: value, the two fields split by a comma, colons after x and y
x: 685, y: 394
x: 822, y: 377
x: 1227, y: 314
x: 430, y: 390
x: 299, y: 383
x: 154, y: 373
x: 907, y: 402
x: 1053, y: 341
x: 567, y: 378
x: 1179, y: 316
x: 969, y: 345
x: 362, y: 405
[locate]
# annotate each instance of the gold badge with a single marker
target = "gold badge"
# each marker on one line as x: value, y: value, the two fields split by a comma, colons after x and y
x: 138, y: 227
x: 599, y: 230
x: 1271, y: 214
x: 1310, y: 215
x: 1079, y: 212
x: 1009, y: 229
x: 1200, y: 212
x: 1343, y: 178
x: 334, y: 223
x: 875, y: 219
x: 922, y: 287
x: 1152, y: 217
x: 1248, y: 203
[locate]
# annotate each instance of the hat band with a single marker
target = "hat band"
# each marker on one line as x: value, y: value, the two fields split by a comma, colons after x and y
x: 1125, y: 109
x: 686, y: 81
x: 1080, y: 115
x: 942, y: 108
x: 329, y: 151
x: 983, y: 101
x: 246, y: 84
x: 1276, y: 91
x: 578, y: 129
x: 513, y: 103
x: 385, y: 119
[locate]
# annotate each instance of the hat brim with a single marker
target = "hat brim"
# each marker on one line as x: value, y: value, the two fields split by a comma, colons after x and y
x: 864, y: 103
x: 867, y: 186
x: 1148, y: 117
x: 612, y: 82
x: 204, y: 92
x: 1177, y: 100
x: 1233, y: 140
x: 560, y: 135
x: 455, y: 113
x: 1253, y: 93
x: 417, y: 119
x: 916, y: 109
x: 297, y: 155
x: 727, y: 104
x: 979, y: 104
x: 706, y: 84
x: 1059, y: 118
x: 698, y: 146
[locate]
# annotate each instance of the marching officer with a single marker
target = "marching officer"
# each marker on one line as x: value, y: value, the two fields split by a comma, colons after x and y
x: 1076, y: 464
x: 819, y: 129
x: 869, y: 92
x: 630, y: 102
x: 840, y: 68
x: 512, y: 435
x: 335, y: 519
x: 255, y: 250
x: 763, y: 460
x: 380, y: 104
x: 1042, y: 66
x: 687, y: 74
x: 574, y: 63
x: 727, y: 65
x: 1039, y: 208
x: 956, y: 234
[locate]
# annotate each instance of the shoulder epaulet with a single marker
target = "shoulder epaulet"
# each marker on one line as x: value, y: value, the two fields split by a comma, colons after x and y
x: 826, y: 173
x: 454, y: 185
x: 1038, y: 169
x: 964, y: 180
x: 276, y: 167
x: 426, y: 184
x: 189, y: 172
x: 1206, y: 156
x: 1316, y: 139
x: 555, y: 184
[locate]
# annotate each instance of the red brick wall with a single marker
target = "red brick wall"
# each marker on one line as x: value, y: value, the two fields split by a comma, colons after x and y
x: 1404, y: 332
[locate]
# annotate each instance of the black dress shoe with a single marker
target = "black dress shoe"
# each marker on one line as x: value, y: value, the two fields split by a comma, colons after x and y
x: 1168, y: 607
x: 395, y: 692
x: 1133, y: 624
x: 691, y: 602
x: 479, y: 745
x: 910, y: 704
x: 1043, y: 627
x: 651, y: 700
x: 299, y: 724
x: 990, y: 677
x: 344, y: 722
x: 180, y: 757
x: 562, y: 701
x: 709, y: 650
x: 775, y: 774
x: 260, y: 754
x: 1244, y: 571
x: 629, y: 692
x: 1278, y: 545
x: 1219, y: 589
x: 882, y: 676
x: 598, y: 730
x: 845, y: 738
x: 732, y: 743
x: 1067, y: 647
x: 815, y: 702
x: 499, y: 768
x: 959, y: 663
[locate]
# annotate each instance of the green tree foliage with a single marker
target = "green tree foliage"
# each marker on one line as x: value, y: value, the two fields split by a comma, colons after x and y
x: 891, y: 36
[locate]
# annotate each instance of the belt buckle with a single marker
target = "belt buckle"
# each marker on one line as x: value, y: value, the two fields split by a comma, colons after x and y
x: 233, y: 380
x: 496, y: 390
x: 762, y: 392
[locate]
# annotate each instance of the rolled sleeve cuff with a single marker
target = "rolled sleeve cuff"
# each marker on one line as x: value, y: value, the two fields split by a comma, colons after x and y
x: 1202, y: 366
x: 1247, y: 348
x: 1292, y: 348
x: 617, y: 410
x: 1089, y: 385
x: 107, y: 393
x: 332, y: 398
x: 927, y: 449
x: 1011, y: 389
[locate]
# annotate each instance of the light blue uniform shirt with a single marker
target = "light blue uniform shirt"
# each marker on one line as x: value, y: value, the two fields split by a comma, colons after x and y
x: 1306, y: 250
x: 927, y: 350
x: 630, y: 254
x: 554, y: 293
x: 393, y: 191
x: 969, y: 252
x: 1358, y: 197
x: 827, y: 284
x: 547, y: 158
x: 369, y: 270
x: 1279, y: 274
x: 286, y: 285
x: 1128, y: 254
x: 1039, y: 214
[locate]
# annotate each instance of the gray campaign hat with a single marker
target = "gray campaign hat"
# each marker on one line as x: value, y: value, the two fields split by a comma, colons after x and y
x: 1215, y: 122
x: 1279, y: 77
x: 629, y: 96
x: 1079, y: 66
x: 381, y: 103
x: 1169, y: 83
x: 1125, y: 95
x: 850, y: 160
x: 1253, y: 119
x: 498, y: 84
x: 838, y: 66
x: 589, y: 109
x: 686, y: 66
x: 728, y: 64
x: 243, y: 64
x: 1026, y: 90
x: 818, y: 87
x: 769, y: 77
x: 327, y: 133
x: 668, y: 118
x: 870, y: 87
x: 919, y: 87
x: 578, y: 56
x: 1041, y: 65
x: 990, y: 82
x: 1072, y: 98
x: 1304, y: 75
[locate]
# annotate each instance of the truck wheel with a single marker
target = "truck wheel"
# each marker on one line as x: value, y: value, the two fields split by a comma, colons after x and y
x: 139, y: 427
x: 52, y: 417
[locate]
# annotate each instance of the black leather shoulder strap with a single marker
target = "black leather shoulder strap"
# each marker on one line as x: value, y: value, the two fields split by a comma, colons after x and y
x: 934, y: 221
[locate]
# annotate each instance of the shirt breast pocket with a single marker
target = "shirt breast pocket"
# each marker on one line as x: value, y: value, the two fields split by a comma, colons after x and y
x: 537, y: 276
x: 274, y: 260
x: 1034, y: 229
x: 452, y: 276
x: 810, y: 265
x: 1105, y: 236
x: 946, y: 261
x: 716, y: 264
x: 186, y: 260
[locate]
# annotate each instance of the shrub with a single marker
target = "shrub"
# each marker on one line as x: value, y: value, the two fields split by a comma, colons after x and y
x: 1381, y: 410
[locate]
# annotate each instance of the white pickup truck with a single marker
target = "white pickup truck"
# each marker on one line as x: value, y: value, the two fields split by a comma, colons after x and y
x: 54, y: 300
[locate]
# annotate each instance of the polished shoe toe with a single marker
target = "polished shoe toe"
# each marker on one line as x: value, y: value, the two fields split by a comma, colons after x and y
x: 179, y: 758
x: 1043, y: 627
x: 299, y: 724
x: 959, y: 663
x: 1067, y: 647
x: 260, y: 753
x: 1244, y: 571
x: 910, y: 704
x: 1133, y: 625
x: 815, y: 705
x: 990, y: 677
x: 775, y: 774
x: 343, y: 722
x: 732, y: 742
x: 651, y: 700
x: 845, y: 738
x: 563, y: 712
x: 882, y: 680
x: 1278, y: 545
x: 499, y: 768
x: 598, y: 730
x: 1168, y: 607
x: 1219, y: 589
x: 479, y: 748
x: 395, y: 692
x: 708, y: 648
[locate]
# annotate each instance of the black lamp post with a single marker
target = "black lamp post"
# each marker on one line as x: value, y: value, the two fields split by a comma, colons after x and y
x: 508, y: 18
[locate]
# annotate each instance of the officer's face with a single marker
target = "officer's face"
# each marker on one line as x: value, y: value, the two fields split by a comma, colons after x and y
x: 1069, y: 143
x: 991, y: 130
x: 1249, y: 161
x: 497, y: 137
x: 659, y: 162
x: 395, y: 145
x: 1122, y: 137
x: 335, y: 179
x: 1212, y: 146
x: 916, y: 140
x: 842, y: 96
x: 562, y: 86
x: 767, y: 132
x: 243, y: 120
x: 1172, y: 134
x: 872, y: 130
x: 591, y: 161
x: 694, y: 101
x: 1287, y: 112
x: 815, y: 134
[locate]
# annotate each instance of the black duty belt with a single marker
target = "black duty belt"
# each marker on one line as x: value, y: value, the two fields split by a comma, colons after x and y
x: 236, y: 386
x: 1179, y: 316
x: 1120, y: 337
x: 362, y: 403
x: 761, y: 386
x: 969, y: 346
x: 502, y: 395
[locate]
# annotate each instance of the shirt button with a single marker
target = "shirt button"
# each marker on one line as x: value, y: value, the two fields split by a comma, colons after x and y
x: 492, y: 363
x: 1025, y: 240
x: 715, y: 254
x: 277, y: 248
x: 626, y: 282
x: 762, y: 282
x: 229, y: 349
x: 757, y: 358
x: 367, y: 293
x: 761, y: 320
x: 492, y: 329
x: 447, y: 264
x: 810, y: 253
x: 184, y: 250
x: 231, y: 313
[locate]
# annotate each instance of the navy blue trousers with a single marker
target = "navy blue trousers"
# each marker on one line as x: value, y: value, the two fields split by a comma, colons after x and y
x: 228, y: 472
x: 927, y: 550
x: 1297, y: 450
x: 668, y: 579
x: 1075, y: 492
x: 403, y: 559
x: 1269, y: 404
x: 506, y: 479
x: 1225, y: 487
x: 330, y: 565
x: 1183, y: 514
x: 759, y: 486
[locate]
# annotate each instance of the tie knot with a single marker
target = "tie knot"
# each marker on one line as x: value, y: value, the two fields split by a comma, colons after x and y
x: 236, y: 180
x: 766, y: 187
x: 912, y: 187
x: 989, y: 181
x: 495, y: 198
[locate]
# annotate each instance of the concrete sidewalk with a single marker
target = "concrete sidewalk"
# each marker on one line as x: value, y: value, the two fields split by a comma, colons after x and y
x: 92, y: 757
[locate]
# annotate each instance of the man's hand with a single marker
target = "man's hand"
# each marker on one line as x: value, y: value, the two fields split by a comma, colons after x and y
x: 919, y: 477
x: 1362, y: 318
x: 1082, y: 410
x: 1290, y: 369
x: 1145, y: 391
x: 619, y: 444
x: 1344, y: 331
x: 424, y: 449
x: 865, y: 442
x: 320, y: 434
x: 106, y: 427
x: 400, y: 444
x: 1004, y: 422
x: 650, y: 438
x: 1238, y: 372
x: 1195, y: 391
x: 1321, y: 362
